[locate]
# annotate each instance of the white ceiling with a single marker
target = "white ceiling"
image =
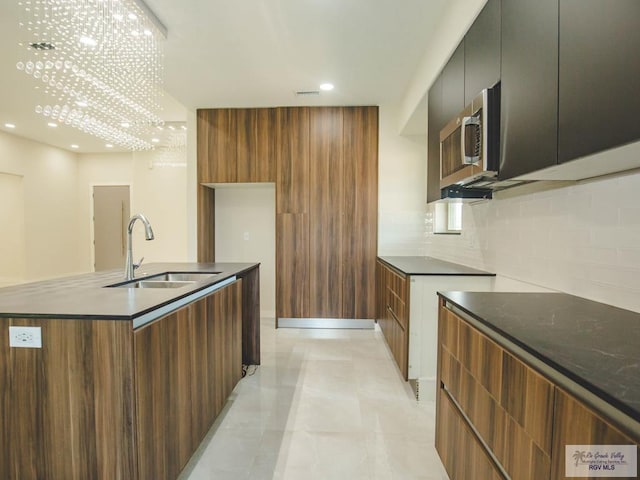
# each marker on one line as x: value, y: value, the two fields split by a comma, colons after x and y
x: 254, y: 53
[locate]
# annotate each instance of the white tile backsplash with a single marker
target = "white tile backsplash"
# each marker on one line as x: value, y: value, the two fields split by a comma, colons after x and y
x: 582, y: 239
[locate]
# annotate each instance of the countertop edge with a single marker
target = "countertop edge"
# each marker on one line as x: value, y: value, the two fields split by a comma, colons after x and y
x: 473, y: 272
x: 239, y: 273
x: 559, y: 374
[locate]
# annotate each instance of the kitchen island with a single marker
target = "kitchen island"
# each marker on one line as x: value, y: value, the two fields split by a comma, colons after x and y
x: 524, y: 376
x: 127, y: 381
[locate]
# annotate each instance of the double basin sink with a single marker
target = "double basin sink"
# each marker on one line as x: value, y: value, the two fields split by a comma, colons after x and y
x: 167, y: 280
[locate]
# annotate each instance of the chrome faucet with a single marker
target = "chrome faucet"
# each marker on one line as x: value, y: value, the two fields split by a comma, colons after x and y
x: 129, y: 266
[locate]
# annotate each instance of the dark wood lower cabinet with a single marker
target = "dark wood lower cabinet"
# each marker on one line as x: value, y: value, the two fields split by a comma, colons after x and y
x: 102, y: 401
x: 576, y: 424
x: 491, y: 404
x: 393, y: 313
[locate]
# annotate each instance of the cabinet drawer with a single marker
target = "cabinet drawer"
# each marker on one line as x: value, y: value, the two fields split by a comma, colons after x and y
x: 463, y: 456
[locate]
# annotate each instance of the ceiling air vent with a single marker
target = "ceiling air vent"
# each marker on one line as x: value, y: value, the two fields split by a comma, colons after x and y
x: 307, y: 93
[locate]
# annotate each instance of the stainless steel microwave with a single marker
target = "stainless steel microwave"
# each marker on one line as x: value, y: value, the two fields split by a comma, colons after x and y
x: 469, y: 143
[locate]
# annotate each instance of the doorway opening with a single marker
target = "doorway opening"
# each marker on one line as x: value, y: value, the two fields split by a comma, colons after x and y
x: 111, y: 212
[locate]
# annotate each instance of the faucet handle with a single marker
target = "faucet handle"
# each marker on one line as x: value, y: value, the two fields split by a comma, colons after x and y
x: 137, y: 265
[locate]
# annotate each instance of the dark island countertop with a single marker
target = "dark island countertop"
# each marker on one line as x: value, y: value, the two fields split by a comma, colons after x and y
x: 593, y: 344
x: 431, y: 266
x: 85, y: 296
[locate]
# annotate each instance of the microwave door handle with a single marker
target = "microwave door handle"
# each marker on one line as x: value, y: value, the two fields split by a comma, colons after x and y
x: 474, y: 158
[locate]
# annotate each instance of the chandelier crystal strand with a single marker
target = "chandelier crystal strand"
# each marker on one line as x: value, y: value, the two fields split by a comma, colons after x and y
x: 99, y: 65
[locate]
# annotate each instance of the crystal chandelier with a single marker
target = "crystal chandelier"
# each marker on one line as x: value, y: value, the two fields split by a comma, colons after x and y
x: 98, y: 64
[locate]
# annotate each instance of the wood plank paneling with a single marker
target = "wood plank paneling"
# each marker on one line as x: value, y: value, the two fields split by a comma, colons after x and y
x: 251, y: 317
x: 206, y: 224
x: 292, y: 168
x: 292, y: 265
x: 267, y: 146
x: 326, y: 204
x: 246, y: 144
x: 360, y: 210
x: 71, y: 402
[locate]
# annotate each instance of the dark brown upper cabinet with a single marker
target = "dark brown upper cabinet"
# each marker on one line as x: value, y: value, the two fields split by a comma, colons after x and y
x: 435, y: 123
x: 599, y: 76
x: 453, y: 84
x: 482, y: 52
x: 529, y: 90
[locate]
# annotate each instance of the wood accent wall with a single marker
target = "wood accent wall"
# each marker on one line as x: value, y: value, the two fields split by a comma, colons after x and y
x: 67, y: 409
x: 324, y: 162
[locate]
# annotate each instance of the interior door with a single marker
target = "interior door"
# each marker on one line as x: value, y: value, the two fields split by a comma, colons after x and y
x: 110, y: 217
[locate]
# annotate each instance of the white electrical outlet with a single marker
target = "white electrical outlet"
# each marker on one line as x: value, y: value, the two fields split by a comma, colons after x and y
x: 246, y: 235
x: 25, y: 337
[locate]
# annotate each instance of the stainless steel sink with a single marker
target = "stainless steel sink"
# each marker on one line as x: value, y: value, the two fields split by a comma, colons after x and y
x: 156, y: 284
x: 183, y: 276
x: 167, y: 280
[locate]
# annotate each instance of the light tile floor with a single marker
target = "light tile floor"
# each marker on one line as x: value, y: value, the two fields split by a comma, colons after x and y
x: 324, y: 404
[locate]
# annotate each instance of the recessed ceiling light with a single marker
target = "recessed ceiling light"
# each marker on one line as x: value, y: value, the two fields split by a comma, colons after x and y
x: 9, y: 125
x: 108, y: 145
x: 52, y: 125
x: 326, y: 87
x: 155, y: 140
x: 73, y: 145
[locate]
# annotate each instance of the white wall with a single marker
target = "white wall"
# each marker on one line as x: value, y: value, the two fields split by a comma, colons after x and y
x: 249, y: 210
x: 582, y: 239
x: 159, y: 192
x: 402, y: 162
x: 56, y: 204
x: 50, y: 205
x: 12, y: 248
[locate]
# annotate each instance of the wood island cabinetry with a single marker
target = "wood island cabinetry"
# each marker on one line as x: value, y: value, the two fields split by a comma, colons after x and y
x: 106, y: 401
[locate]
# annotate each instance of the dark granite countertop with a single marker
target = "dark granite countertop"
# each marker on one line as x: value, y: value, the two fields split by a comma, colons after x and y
x: 84, y: 296
x: 594, y: 344
x: 431, y: 266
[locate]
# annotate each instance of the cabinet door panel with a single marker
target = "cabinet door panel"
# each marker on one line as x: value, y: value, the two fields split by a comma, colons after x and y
x: 216, y: 146
x: 326, y: 201
x: 529, y: 88
x: 482, y: 52
x: 434, y: 125
x: 577, y: 424
x: 246, y: 144
x: 453, y: 85
x: 599, y: 76
x: 292, y: 176
x: 292, y: 265
x: 360, y: 211
x: 266, y: 150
